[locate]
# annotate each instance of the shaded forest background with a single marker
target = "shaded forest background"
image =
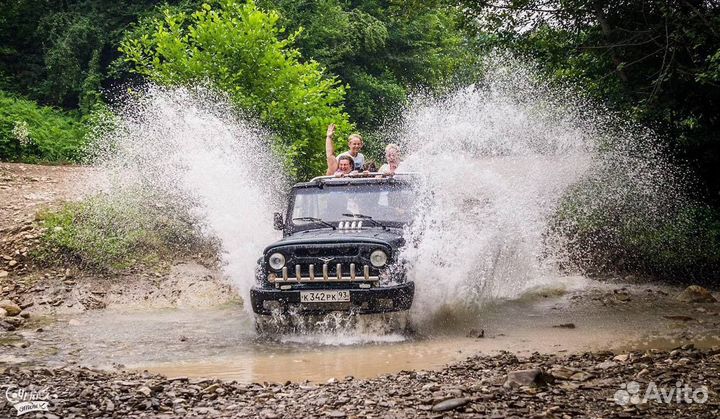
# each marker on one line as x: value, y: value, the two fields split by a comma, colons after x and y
x: 298, y: 65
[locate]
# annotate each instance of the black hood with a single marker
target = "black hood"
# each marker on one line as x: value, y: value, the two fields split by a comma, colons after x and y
x: 391, y: 237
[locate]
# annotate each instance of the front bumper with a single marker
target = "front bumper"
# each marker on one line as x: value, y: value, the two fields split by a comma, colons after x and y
x: 362, y: 301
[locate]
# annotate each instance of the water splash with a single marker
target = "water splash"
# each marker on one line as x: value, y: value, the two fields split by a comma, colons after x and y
x: 500, y: 156
x: 197, y: 155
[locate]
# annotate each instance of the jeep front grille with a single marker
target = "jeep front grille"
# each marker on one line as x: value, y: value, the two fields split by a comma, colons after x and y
x: 334, y: 251
x: 327, y: 273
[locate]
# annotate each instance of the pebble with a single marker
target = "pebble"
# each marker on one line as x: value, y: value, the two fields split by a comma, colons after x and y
x: 696, y: 294
x: 10, y: 307
x: 450, y: 404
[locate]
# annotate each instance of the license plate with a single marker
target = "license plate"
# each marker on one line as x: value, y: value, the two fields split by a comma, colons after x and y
x: 324, y: 296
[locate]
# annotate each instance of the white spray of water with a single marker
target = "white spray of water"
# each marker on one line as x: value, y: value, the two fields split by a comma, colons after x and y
x: 191, y: 148
x: 498, y: 157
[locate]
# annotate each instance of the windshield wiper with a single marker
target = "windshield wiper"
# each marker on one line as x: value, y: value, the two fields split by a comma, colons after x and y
x: 365, y: 217
x: 315, y: 220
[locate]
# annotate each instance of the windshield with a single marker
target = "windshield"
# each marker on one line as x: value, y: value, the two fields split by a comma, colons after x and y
x: 392, y: 203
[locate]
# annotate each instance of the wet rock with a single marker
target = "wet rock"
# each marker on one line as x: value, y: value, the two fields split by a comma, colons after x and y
x: 533, y: 376
x: 606, y: 365
x: 562, y: 372
x: 6, y: 326
x: 450, y: 404
x: 621, y: 357
x: 581, y: 376
x: 10, y: 307
x: 679, y: 318
x: 15, y: 321
x: 622, y: 296
x: 696, y: 294
x: 565, y: 325
x: 211, y: 388
x: 476, y: 333
x: 144, y: 390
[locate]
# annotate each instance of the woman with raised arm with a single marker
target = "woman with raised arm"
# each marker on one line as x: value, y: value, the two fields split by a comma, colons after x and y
x: 355, y: 143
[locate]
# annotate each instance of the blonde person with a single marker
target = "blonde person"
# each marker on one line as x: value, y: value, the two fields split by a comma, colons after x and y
x: 355, y: 143
x: 392, y: 155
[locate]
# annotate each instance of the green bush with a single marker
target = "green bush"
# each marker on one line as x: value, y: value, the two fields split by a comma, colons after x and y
x: 237, y: 48
x: 602, y: 233
x: 32, y: 133
x: 106, y: 233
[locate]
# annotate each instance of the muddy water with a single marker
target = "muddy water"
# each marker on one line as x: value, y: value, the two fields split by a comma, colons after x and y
x: 220, y: 342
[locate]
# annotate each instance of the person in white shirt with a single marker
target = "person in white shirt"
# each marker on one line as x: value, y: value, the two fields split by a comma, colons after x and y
x: 355, y: 143
x: 392, y: 154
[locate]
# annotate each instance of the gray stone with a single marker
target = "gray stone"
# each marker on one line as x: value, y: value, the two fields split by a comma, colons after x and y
x: 10, y: 307
x: 450, y: 404
x: 696, y: 294
x: 525, y: 377
x: 145, y: 390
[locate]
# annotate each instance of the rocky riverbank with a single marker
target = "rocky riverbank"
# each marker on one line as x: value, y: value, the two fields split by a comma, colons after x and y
x: 41, y: 290
x: 681, y: 383
x: 559, y: 385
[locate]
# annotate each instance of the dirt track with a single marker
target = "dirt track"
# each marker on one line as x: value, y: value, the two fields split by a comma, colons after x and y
x: 26, y: 188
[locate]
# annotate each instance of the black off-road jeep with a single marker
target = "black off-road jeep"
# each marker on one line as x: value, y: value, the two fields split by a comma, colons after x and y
x: 339, y: 252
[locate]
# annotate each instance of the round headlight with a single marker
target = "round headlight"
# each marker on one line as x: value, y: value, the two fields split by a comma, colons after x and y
x: 378, y: 258
x: 276, y: 261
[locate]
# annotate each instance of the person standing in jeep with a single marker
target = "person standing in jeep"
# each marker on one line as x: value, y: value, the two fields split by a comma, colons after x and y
x: 355, y: 143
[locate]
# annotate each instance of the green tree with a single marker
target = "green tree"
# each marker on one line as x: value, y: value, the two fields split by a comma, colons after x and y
x: 49, y: 49
x: 237, y: 47
x: 381, y: 49
x: 657, y: 61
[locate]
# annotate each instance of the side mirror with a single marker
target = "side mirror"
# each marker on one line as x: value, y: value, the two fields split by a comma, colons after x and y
x: 278, y: 222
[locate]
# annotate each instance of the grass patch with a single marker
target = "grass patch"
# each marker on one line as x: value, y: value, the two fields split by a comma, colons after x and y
x: 105, y: 233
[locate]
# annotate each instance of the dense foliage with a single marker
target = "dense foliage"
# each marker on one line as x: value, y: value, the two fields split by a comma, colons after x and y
x: 58, y: 52
x: 656, y: 61
x: 29, y: 132
x: 381, y: 49
x: 237, y: 48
